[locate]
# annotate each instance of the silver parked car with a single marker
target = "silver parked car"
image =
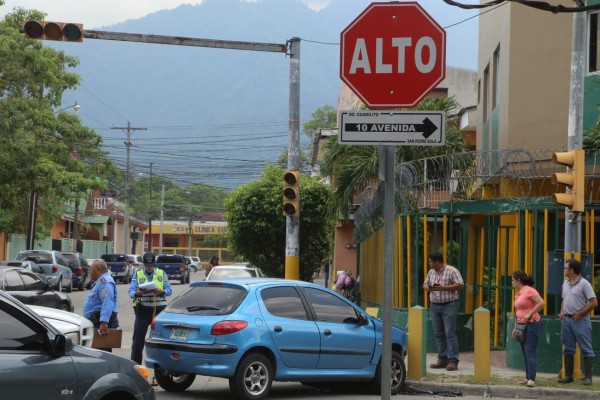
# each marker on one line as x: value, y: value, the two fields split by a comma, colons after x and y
x: 31, y: 347
x: 58, y: 273
x: 78, y: 328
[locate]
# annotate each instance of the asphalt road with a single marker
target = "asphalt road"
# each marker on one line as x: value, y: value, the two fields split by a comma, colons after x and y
x: 209, y: 388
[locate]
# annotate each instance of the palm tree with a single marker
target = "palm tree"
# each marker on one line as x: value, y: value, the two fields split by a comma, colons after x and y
x: 352, y: 166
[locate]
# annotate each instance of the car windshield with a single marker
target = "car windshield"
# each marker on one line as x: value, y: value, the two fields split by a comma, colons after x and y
x: 208, y: 300
x: 219, y: 273
x: 113, y: 258
x: 37, y: 257
x: 168, y: 259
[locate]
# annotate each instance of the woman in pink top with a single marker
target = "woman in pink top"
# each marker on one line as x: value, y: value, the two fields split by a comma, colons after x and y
x: 528, y: 304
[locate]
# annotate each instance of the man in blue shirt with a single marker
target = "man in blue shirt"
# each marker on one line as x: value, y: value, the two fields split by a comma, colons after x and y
x: 102, y: 304
x: 148, y: 301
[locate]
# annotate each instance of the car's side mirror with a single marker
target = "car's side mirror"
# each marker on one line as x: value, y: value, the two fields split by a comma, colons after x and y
x: 62, y: 344
x: 362, y: 320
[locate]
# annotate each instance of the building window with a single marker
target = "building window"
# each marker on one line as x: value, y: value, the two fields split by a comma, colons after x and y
x: 496, y: 84
x: 486, y: 92
x: 593, y: 56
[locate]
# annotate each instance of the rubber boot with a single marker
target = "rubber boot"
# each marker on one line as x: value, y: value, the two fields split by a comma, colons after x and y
x: 568, y: 376
x: 588, y: 365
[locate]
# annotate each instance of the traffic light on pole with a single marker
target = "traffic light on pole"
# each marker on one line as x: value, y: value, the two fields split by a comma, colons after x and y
x: 291, y: 193
x: 46, y: 30
x: 573, y: 179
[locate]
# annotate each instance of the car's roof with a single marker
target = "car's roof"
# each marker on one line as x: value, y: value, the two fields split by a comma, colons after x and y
x: 250, y: 281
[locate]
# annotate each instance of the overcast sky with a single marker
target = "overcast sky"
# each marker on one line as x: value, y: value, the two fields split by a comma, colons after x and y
x: 96, y: 13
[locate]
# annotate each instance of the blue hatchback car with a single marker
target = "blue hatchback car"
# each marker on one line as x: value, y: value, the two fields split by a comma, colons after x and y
x: 254, y: 331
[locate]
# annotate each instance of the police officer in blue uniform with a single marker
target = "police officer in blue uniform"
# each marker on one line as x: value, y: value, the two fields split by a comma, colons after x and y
x: 148, y: 301
x: 102, y: 304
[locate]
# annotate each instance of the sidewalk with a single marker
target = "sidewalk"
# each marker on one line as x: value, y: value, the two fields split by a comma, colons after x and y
x: 442, y: 380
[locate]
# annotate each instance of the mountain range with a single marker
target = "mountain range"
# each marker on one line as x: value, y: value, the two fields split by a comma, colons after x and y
x: 212, y: 116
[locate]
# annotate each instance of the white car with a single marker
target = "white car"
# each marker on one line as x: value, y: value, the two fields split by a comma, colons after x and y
x: 194, y: 263
x: 234, y: 271
x: 78, y: 328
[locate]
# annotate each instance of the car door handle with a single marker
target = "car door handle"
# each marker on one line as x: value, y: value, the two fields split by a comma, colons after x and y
x: 278, y: 329
x: 327, y: 332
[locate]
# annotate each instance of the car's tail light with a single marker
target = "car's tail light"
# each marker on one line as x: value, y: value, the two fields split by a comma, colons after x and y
x: 153, y: 324
x: 54, y: 268
x: 79, y: 271
x: 227, y: 327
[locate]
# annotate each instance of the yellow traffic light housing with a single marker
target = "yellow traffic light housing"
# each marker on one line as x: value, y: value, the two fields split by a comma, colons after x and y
x: 46, y: 30
x: 291, y: 193
x: 574, y: 179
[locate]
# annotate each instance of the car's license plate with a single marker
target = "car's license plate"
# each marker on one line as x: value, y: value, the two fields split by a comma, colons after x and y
x: 179, y: 334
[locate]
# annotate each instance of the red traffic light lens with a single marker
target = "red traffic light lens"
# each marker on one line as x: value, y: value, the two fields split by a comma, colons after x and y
x: 290, y: 178
x: 33, y: 29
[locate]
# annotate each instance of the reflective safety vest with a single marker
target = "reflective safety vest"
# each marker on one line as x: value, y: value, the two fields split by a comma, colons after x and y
x: 151, y: 300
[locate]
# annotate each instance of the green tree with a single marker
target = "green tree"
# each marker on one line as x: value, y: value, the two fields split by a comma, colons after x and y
x: 256, y: 226
x: 41, y: 149
x: 352, y: 166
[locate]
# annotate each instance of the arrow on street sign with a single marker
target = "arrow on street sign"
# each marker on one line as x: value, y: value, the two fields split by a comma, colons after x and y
x: 405, y: 128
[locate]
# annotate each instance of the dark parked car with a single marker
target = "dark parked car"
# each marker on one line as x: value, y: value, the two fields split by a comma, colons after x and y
x: 80, y: 268
x: 38, y: 362
x: 31, y: 289
x: 27, y: 265
x: 57, y: 271
x: 255, y: 331
x: 175, y: 267
x: 119, y: 267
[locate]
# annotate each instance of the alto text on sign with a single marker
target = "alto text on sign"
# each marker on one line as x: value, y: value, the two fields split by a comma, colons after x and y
x: 405, y: 128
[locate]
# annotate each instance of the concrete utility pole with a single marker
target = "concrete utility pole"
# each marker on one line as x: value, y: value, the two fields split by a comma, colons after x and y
x: 129, y: 130
x: 292, y: 224
x: 162, y: 214
x: 575, y: 125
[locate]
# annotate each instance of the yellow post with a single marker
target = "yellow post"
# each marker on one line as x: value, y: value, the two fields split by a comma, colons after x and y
x: 482, y: 345
x: 417, y: 342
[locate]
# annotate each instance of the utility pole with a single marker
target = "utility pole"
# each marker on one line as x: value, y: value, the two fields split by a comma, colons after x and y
x: 128, y: 130
x: 150, y: 214
x: 190, y: 232
x: 75, y: 227
x: 162, y: 213
x: 292, y: 224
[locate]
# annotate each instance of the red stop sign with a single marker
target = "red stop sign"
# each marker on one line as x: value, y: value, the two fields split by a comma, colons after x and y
x: 393, y: 55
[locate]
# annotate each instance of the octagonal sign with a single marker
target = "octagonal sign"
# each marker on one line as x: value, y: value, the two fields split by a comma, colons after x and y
x: 393, y: 55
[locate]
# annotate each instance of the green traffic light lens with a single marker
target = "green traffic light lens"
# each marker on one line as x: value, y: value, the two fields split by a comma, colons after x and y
x: 72, y: 32
x: 289, y: 209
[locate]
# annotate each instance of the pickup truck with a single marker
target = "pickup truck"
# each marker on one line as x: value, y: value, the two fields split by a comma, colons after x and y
x: 175, y: 267
x: 119, y: 266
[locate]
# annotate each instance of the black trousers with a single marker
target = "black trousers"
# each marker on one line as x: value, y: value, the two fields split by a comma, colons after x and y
x: 143, y: 319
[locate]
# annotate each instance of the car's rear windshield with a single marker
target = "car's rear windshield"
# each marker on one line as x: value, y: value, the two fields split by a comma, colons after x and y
x: 70, y: 258
x: 113, y: 258
x: 36, y: 257
x: 208, y: 300
x: 169, y: 259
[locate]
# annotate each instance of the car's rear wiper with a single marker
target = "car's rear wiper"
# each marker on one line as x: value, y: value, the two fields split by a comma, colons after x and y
x: 197, y: 308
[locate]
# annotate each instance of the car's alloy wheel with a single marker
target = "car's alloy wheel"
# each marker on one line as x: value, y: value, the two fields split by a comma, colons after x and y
x: 70, y: 287
x: 59, y: 286
x: 253, y: 377
x: 398, y: 375
x: 173, y: 382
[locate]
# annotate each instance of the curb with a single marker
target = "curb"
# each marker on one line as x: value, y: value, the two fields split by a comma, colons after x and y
x: 488, y: 391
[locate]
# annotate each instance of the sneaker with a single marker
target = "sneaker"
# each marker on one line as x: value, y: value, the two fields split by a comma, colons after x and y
x: 438, y: 365
x: 524, y: 381
x: 451, y: 366
x: 530, y: 383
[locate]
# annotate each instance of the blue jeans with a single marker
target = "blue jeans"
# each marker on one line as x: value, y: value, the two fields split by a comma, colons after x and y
x: 529, y: 348
x: 580, y: 331
x: 443, y: 320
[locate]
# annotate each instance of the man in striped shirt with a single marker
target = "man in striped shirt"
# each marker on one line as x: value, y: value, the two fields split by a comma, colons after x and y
x: 443, y: 283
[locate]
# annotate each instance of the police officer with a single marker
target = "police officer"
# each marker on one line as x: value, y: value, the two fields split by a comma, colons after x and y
x: 147, y: 303
x: 102, y: 304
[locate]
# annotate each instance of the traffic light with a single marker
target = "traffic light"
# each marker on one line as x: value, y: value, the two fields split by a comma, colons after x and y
x: 573, y: 179
x: 291, y: 193
x: 45, y: 30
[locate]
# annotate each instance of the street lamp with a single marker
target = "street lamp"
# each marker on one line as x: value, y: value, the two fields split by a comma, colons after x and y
x: 31, y: 225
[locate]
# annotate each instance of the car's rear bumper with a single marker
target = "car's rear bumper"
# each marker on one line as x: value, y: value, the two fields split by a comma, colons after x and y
x: 210, y: 360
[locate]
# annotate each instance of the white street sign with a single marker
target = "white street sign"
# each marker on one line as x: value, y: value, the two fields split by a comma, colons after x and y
x: 402, y: 128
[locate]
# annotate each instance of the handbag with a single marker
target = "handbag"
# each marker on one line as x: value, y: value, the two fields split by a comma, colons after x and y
x: 520, y: 329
